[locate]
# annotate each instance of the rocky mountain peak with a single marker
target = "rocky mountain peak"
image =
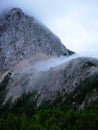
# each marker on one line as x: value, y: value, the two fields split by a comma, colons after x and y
x: 22, y: 36
x: 15, y: 11
x: 14, y: 14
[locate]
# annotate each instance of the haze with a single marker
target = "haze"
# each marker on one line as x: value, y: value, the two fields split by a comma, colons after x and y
x: 74, y: 21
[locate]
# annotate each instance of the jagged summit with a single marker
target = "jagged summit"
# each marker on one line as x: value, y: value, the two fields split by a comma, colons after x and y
x: 14, y: 15
x: 22, y: 36
x: 15, y: 11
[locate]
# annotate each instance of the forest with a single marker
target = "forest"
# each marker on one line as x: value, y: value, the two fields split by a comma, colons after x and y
x: 52, y: 119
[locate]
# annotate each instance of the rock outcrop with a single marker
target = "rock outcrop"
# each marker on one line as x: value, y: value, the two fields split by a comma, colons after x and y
x: 22, y: 36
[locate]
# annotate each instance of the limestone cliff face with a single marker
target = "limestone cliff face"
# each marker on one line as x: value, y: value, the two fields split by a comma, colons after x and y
x: 22, y: 36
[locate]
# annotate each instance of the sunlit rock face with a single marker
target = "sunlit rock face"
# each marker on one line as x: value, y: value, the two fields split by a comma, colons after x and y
x: 22, y: 36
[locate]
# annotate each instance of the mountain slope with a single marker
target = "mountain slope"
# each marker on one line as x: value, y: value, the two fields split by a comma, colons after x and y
x: 69, y: 84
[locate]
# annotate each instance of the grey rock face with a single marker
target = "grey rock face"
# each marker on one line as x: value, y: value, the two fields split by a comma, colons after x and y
x: 71, y: 77
x: 22, y: 37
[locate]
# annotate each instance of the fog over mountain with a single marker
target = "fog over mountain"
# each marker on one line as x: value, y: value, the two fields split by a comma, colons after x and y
x: 22, y: 37
x: 37, y: 70
x: 48, y: 78
x: 75, y: 22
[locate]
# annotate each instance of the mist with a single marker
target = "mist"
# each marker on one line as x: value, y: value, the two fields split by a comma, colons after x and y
x: 31, y: 71
x: 53, y: 62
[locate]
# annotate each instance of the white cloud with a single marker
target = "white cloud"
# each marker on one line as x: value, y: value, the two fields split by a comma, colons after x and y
x: 82, y: 38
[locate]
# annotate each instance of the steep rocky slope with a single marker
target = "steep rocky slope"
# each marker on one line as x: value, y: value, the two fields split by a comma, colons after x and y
x: 22, y: 36
x: 40, y: 81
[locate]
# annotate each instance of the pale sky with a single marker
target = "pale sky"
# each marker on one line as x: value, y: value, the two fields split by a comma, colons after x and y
x: 75, y: 22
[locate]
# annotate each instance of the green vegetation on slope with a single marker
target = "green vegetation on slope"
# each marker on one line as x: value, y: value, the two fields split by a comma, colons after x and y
x: 53, y: 119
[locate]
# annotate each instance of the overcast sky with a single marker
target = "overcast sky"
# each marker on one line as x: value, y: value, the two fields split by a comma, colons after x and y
x: 74, y: 21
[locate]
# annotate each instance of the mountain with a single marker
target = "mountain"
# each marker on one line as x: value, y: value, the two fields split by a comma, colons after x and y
x: 22, y: 36
x: 37, y: 70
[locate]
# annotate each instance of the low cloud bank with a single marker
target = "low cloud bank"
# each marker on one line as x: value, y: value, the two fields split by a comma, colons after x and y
x: 53, y: 62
